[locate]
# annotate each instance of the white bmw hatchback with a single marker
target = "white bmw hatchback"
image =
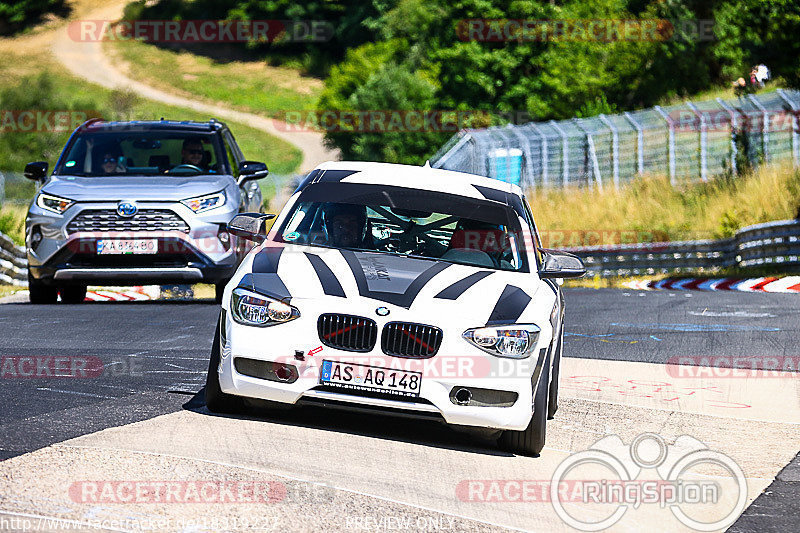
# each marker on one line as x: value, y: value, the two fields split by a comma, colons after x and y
x: 408, y: 290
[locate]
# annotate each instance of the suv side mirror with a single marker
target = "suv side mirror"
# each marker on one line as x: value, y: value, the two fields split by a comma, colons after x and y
x: 252, y: 170
x: 36, y: 171
x: 250, y: 226
x: 559, y: 264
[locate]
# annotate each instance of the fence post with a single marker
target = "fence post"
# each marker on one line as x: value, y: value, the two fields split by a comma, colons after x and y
x: 764, y: 125
x: 670, y: 141
x: 564, y: 152
x: 543, y: 145
x: 614, y: 149
x: 703, y: 140
x: 639, y: 143
x: 2, y: 188
x: 795, y: 126
x: 526, y: 150
x: 734, y: 148
x: 592, y: 153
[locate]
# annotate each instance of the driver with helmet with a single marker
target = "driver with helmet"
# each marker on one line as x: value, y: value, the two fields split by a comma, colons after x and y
x: 346, y: 226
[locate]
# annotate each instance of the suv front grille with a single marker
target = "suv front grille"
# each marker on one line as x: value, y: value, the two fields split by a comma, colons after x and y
x: 102, y: 220
x: 346, y: 332
x: 410, y: 340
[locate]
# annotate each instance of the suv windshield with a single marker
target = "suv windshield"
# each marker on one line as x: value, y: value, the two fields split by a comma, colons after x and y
x: 143, y: 153
x: 410, y: 222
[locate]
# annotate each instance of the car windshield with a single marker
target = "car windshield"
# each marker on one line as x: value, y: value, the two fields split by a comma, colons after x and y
x: 410, y: 222
x: 142, y: 154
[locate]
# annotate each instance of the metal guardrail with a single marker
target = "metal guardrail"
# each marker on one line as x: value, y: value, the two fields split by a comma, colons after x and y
x: 773, y: 244
x: 13, y: 262
x: 689, y: 142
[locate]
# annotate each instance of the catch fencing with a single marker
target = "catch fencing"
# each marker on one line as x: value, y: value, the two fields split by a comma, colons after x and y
x: 689, y: 142
x: 774, y: 246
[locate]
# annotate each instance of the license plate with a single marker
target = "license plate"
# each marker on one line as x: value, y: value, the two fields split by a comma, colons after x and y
x: 370, y: 378
x: 127, y: 246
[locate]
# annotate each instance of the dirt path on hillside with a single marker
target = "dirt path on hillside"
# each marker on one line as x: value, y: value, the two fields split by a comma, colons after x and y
x: 87, y: 60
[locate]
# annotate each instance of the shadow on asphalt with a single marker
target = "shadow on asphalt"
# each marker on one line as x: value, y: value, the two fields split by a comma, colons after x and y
x: 414, y: 431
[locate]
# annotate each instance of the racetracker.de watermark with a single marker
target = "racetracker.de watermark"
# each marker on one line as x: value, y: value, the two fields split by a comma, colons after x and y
x: 202, y: 31
x: 67, y: 367
x: 734, y: 367
x: 584, y: 30
x: 177, y: 492
x: 43, y: 120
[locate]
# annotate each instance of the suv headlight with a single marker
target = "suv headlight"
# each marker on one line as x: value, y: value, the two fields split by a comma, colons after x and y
x: 54, y: 204
x: 514, y: 340
x: 205, y: 203
x: 253, y: 309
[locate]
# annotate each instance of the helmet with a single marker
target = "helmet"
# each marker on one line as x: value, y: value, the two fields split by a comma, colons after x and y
x: 333, y: 210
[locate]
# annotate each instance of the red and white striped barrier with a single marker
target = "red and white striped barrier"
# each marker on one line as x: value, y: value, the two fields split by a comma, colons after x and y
x: 790, y: 284
x: 122, y: 294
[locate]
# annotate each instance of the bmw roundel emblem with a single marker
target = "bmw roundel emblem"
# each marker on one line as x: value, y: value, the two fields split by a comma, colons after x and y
x: 126, y: 209
x: 382, y: 311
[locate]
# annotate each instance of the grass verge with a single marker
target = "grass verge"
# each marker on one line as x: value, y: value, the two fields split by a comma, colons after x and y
x: 651, y: 210
x: 12, y: 221
x: 21, y: 72
x: 249, y: 85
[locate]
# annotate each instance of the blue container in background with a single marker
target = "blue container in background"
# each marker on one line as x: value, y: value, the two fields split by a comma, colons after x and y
x: 506, y: 165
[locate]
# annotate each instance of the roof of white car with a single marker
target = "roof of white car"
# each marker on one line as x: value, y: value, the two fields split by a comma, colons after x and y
x: 422, y: 177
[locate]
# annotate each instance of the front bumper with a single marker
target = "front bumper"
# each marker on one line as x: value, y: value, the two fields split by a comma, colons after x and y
x: 66, y: 257
x: 456, y: 365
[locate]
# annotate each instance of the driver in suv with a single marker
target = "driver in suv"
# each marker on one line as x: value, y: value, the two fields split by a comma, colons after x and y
x: 136, y: 203
x: 192, y: 152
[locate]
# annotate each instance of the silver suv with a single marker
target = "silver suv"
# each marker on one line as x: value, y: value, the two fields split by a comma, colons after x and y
x: 137, y: 203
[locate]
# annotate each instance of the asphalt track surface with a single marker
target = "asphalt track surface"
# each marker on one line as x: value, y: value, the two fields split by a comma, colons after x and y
x: 154, y: 357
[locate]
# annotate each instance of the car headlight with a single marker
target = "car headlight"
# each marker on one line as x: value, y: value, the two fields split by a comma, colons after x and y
x: 253, y: 309
x: 54, y: 204
x: 205, y: 203
x: 515, y: 340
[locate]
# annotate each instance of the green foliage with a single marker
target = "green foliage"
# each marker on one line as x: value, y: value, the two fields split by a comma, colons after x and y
x: 18, y: 14
x: 32, y: 94
x: 671, y: 54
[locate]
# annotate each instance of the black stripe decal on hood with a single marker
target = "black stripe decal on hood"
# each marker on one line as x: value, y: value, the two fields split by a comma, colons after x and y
x: 509, y: 306
x: 266, y: 261
x: 330, y: 285
x: 410, y: 292
x: 460, y: 287
x: 267, y: 284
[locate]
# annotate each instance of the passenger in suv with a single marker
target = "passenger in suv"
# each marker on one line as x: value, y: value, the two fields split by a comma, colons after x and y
x: 137, y: 203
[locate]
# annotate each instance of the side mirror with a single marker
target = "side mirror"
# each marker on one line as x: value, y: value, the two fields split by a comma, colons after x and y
x: 250, y: 226
x: 252, y: 170
x: 559, y: 264
x: 36, y: 171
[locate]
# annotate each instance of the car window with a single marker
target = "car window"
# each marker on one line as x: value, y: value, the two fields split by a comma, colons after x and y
x: 233, y: 160
x: 142, y: 153
x: 537, y: 244
x: 407, y: 222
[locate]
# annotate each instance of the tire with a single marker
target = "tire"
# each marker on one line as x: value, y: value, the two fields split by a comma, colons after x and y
x: 552, y: 404
x: 216, y: 400
x: 41, y: 293
x: 530, y: 441
x: 73, y: 294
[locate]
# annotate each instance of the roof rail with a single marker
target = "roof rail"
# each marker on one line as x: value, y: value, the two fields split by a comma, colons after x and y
x: 90, y: 122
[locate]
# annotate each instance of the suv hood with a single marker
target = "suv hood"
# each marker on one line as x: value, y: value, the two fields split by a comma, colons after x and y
x: 154, y: 188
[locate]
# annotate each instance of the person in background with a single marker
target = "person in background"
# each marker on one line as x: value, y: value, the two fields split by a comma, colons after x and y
x: 762, y: 74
